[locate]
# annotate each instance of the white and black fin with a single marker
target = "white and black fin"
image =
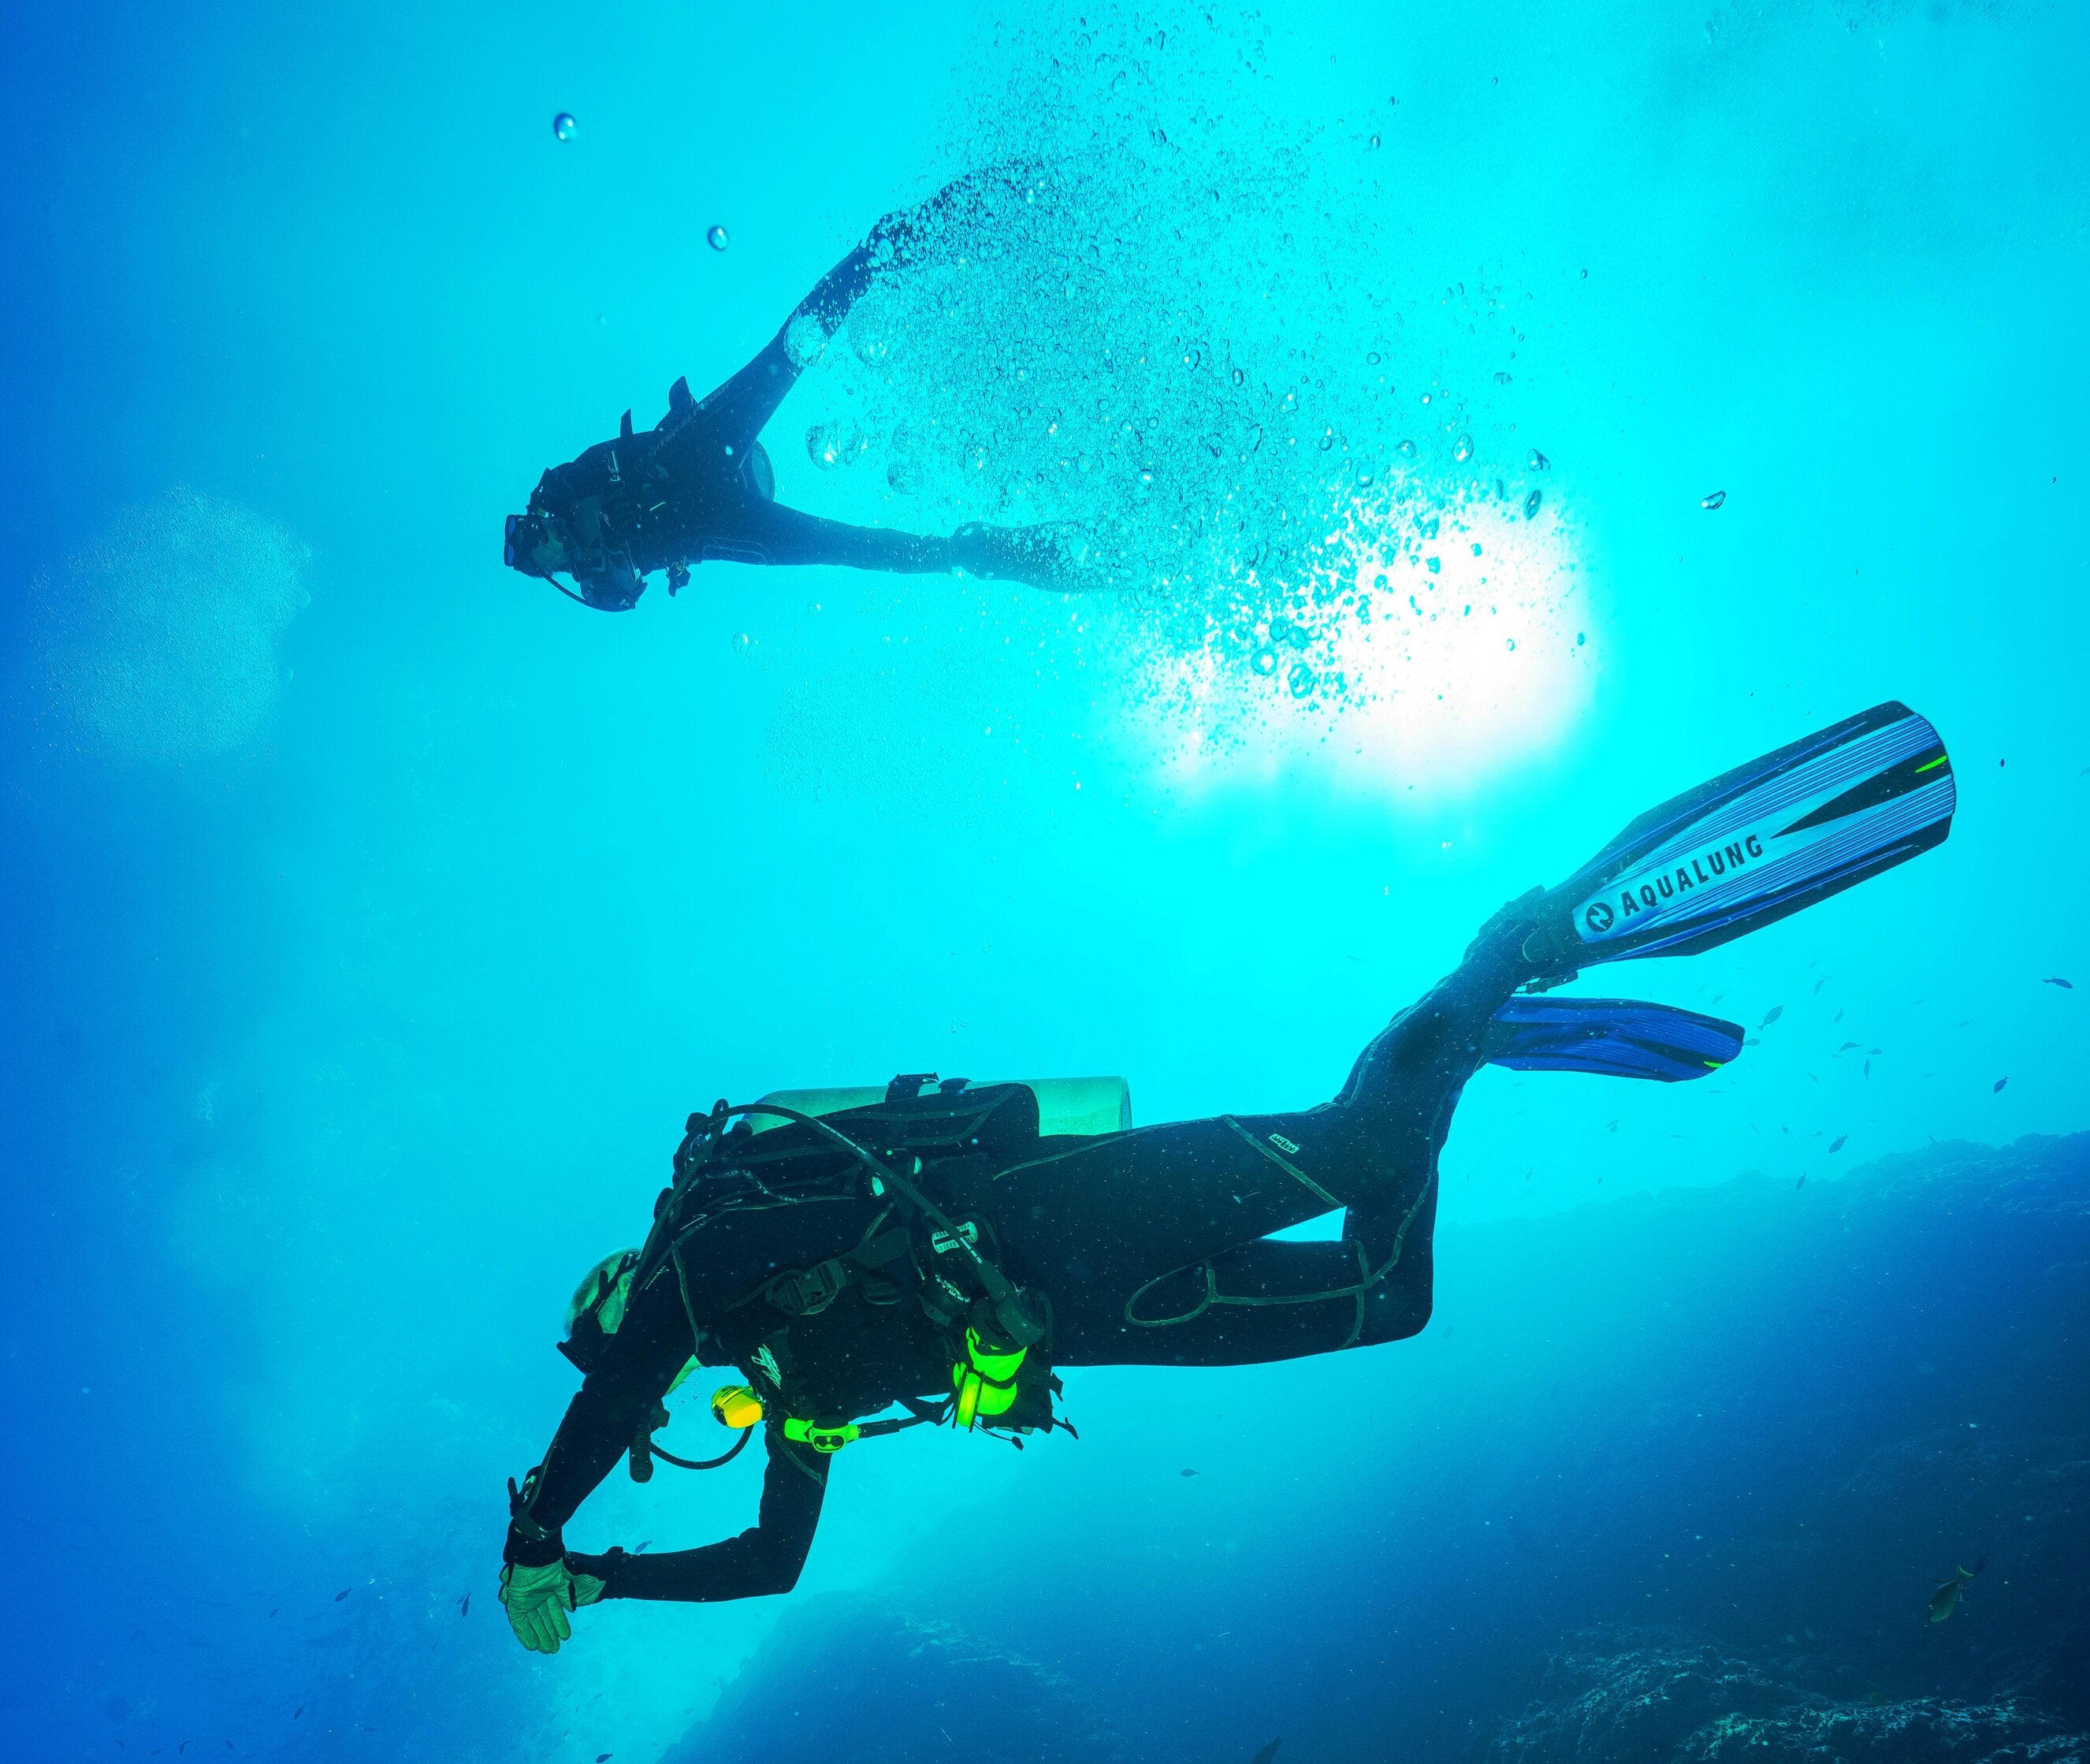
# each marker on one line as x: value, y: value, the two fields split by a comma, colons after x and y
x: 1763, y: 841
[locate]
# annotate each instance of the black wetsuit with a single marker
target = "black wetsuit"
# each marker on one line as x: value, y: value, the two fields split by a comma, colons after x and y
x: 698, y: 487
x: 1150, y: 1243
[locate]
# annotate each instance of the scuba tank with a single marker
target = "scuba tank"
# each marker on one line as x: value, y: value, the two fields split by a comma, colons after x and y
x: 1084, y: 1106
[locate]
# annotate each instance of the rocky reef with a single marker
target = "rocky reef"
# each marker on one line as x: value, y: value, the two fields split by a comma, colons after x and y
x: 1615, y: 1698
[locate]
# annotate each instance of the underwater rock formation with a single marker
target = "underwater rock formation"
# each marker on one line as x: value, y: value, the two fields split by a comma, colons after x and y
x: 1658, y: 1698
x: 851, y: 1676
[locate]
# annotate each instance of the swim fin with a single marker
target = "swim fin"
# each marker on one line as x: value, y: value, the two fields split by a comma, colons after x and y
x: 1614, y: 1038
x: 1754, y: 844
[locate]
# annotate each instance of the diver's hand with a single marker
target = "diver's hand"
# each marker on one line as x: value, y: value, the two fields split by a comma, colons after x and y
x: 537, y: 1600
x: 911, y: 235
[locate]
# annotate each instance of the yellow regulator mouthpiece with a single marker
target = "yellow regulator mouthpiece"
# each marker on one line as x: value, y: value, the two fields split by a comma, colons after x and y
x: 735, y: 1405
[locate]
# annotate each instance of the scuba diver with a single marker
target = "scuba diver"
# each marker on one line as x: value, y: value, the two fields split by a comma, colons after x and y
x: 941, y: 1248
x: 698, y: 486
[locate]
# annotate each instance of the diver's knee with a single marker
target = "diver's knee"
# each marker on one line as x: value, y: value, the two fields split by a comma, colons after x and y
x: 1393, y: 1313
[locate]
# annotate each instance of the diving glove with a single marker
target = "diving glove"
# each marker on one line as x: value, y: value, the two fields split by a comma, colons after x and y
x: 537, y: 1600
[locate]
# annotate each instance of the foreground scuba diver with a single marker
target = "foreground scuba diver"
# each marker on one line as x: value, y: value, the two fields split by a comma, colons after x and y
x: 940, y: 1248
x: 698, y: 487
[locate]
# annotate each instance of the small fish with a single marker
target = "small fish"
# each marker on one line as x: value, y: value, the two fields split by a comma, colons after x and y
x: 640, y: 1549
x: 1820, y: 982
x: 1267, y: 1753
x: 1946, y: 1600
x: 2001, y: 1082
x: 1753, y: 1041
x: 1713, y: 501
x: 603, y: 1757
x: 1611, y: 1126
x: 1875, y: 1050
x: 343, y: 1593
x: 1771, y: 1015
x: 2055, y: 979
x: 1847, y: 1046
x: 1868, y: 1068
x: 1837, y: 1143
x: 297, y: 1711
x: 464, y: 1606
x: 1801, y: 1183
x: 1189, y: 1473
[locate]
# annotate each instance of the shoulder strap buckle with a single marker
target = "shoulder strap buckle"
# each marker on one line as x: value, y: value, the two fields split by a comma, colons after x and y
x: 805, y: 1292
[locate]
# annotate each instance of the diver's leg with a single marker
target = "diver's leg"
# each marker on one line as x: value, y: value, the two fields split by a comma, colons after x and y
x: 1154, y: 1235
x: 767, y: 533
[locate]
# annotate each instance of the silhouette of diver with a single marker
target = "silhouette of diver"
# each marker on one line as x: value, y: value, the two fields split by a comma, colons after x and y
x: 698, y: 487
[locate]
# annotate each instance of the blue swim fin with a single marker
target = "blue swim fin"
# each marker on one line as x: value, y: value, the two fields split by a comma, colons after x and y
x: 1616, y: 1037
x: 1755, y: 844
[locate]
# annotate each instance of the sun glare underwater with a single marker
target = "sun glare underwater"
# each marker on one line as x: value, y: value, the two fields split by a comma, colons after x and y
x: 566, y: 569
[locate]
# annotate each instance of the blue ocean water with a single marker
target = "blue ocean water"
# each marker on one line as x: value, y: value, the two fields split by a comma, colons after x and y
x: 377, y: 916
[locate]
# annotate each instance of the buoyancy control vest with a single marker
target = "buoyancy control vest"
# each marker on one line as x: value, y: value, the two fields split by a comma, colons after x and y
x: 903, y: 1176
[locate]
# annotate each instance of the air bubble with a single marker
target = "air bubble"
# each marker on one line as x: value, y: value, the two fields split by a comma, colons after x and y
x: 1240, y: 375
x: 717, y: 238
x: 1406, y: 449
x: 1531, y: 505
x: 1265, y: 662
x: 1538, y: 462
x: 1465, y: 450
x: 1501, y: 379
x: 1713, y: 501
x: 823, y: 446
x: 805, y: 340
x: 1300, y: 682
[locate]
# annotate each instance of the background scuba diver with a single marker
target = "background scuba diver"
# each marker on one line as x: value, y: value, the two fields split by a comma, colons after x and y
x: 698, y: 487
x: 943, y: 1248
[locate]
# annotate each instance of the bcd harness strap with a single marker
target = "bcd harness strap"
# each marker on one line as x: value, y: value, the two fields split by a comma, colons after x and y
x: 805, y: 1292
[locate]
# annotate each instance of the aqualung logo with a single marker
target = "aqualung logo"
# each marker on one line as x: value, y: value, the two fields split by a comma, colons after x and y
x: 1697, y: 872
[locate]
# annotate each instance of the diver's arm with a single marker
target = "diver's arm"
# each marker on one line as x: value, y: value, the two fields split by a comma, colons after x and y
x: 644, y: 1356
x: 765, y: 1559
x: 905, y: 237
